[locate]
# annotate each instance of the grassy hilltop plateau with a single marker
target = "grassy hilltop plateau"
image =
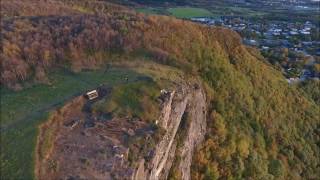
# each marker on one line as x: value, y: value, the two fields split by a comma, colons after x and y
x: 177, y: 100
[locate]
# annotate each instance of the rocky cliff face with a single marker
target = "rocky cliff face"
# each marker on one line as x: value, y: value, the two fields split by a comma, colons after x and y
x: 186, y: 105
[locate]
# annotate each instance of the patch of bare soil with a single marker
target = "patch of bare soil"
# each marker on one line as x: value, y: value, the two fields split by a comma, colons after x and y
x: 75, y: 144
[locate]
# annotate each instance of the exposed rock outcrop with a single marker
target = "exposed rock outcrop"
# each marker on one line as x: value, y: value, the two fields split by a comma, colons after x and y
x: 195, y: 132
x: 187, y: 99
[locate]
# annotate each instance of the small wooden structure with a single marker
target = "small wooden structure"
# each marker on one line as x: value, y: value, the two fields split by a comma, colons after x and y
x: 92, y: 94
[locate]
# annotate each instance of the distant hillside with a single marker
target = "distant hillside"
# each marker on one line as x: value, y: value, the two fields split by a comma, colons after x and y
x: 258, y: 127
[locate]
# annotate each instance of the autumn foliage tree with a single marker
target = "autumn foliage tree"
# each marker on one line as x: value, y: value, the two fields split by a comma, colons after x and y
x: 258, y: 126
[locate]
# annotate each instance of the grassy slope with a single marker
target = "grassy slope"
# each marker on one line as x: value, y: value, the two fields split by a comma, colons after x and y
x: 21, y: 113
x: 132, y: 100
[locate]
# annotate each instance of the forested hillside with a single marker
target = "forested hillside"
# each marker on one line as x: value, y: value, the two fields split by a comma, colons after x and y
x: 259, y: 127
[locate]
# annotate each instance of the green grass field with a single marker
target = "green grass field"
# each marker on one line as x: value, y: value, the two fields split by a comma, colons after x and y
x: 22, y: 112
x: 189, y: 12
